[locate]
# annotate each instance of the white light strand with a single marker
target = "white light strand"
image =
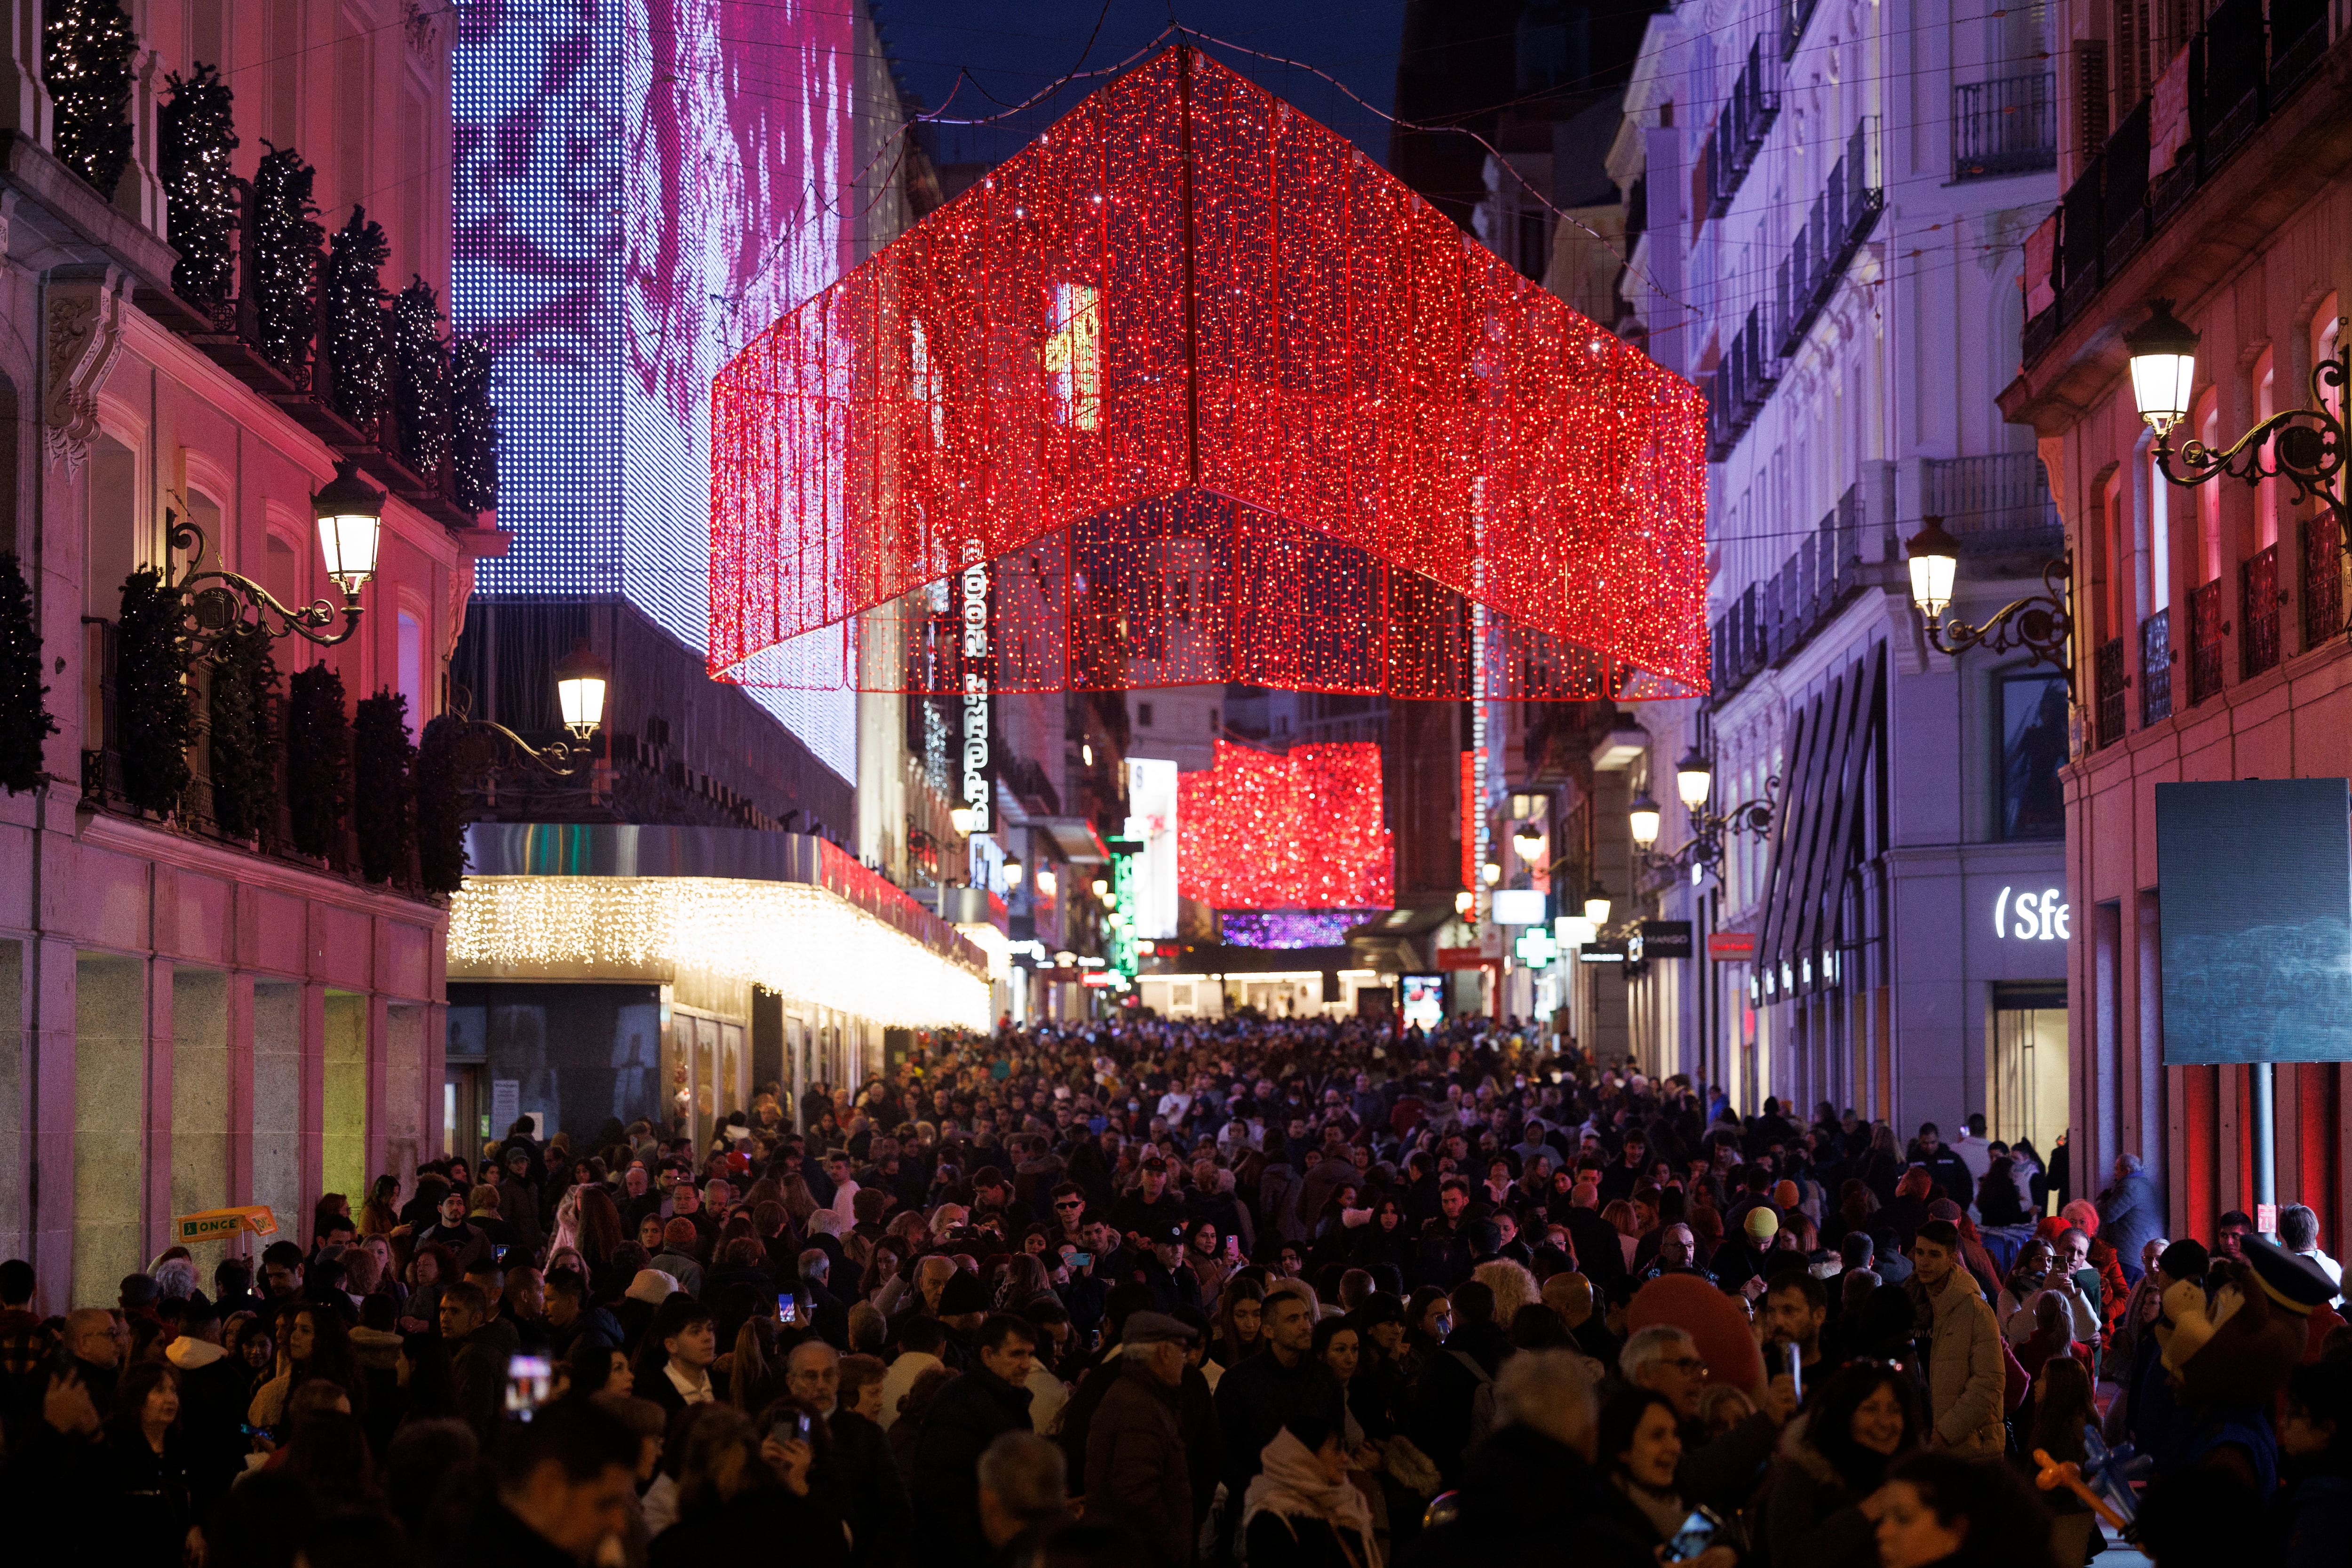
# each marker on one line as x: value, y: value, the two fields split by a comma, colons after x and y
x: 797, y: 941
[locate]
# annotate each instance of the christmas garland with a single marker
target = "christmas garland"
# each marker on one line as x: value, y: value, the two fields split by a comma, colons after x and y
x: 317, y: 760
x: 286, y: 240
x: 420, y: 387
x: 156, y: 711
x: 197, y: 131
x: 87, y: 48
x: 246, y: 747
x: 380, y: 759
x: 473, y: 428
x: 25, y: 720
x: 353, y: 345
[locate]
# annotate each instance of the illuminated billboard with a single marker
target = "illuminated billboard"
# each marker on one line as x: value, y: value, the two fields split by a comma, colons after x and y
x: 640, y: 186
x: 2254, y: 895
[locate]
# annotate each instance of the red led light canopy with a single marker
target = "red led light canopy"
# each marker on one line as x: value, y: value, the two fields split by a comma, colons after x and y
x: 1190, y: 391
x: 1301, y: 831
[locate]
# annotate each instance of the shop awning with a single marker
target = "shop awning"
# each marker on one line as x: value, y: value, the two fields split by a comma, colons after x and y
x: 1818, y: 826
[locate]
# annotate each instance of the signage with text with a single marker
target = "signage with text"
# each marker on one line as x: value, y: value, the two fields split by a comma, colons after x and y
x: 1731, y: 944
x: 1665, y: 939
x: 2028, y: 915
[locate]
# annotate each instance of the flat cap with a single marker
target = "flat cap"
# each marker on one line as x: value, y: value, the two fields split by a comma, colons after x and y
x: 1155, y: 1329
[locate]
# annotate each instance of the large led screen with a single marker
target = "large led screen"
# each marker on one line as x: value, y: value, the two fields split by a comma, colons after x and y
x: 641, y: 185
x: 2254, y: 890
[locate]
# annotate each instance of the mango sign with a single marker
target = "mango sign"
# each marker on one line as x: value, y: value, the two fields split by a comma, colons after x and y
x: 219, y: 1224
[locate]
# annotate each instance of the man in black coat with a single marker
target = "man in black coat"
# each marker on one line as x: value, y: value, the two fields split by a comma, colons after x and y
x: 1257, y: 1397
x: 968, y: 1414
x: 858, y: 1471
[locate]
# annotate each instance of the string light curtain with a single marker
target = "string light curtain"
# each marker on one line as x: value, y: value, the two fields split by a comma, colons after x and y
x: 1210, y: 396
x: 1303, y: 830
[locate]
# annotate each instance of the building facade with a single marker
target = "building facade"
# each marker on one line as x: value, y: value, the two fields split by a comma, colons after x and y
x: 2205, y: 156
x: 1830, y: 201
x: 210, y: 1016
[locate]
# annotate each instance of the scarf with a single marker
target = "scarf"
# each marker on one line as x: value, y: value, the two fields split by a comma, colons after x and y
x: 1293, y: 1482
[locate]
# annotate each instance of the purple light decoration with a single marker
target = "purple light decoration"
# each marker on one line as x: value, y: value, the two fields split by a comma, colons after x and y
x: 1290, y: 928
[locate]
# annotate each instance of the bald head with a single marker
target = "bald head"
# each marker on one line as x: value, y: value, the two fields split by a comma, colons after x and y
x: 813, y: 1373
x: 90, y: 1335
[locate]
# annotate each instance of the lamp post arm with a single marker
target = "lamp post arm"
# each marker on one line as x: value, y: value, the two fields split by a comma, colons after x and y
x: 215, y: 609
x: 2040, y: 624
x: 2305, y: 446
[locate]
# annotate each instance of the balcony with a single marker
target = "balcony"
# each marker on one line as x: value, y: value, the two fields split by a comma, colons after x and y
x: 2206, y: 630
x: 2108, y: 713
x: 2258, y: 613
x: 2323, y: 580
x: 1996, y: 506
x: 2242, y: 70
x: 2156, y: 669
x: 1739, y: 131
x: 1739, y: 387
x: 2006, y: 126
x: 1795, y: 16
x: 1771, y: 620
x: 1842, y: 217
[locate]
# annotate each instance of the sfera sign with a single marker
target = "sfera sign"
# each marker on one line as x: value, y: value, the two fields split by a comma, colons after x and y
x: 977, y: 795
x: 2027, y: 915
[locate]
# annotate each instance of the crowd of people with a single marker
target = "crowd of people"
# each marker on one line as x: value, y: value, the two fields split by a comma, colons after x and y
x: 1287, y: 1293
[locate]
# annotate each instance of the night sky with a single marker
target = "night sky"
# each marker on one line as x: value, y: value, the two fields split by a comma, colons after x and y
x: 1011, y: 51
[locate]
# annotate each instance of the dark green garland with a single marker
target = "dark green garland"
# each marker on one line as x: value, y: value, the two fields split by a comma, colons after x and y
x: 317, y: 760
x: 246, y: 745
x: 197, y: 131
x: 381, y: 760
x: 420, y: 386
x: 286, y: 240
x: 354, y: 342
x: 155, y: 712
x: 440, y: 808
x: 87, y: 48
x: 473, y: 428
x: 25, y: 720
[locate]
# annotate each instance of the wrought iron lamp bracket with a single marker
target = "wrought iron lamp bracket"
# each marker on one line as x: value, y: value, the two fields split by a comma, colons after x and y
x: 485, y: 745
x: 2305, y: 447
x: 212, y: 610
x: 2040, y: 624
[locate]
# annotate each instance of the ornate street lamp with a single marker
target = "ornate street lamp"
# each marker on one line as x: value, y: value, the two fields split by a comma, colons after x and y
x: 350, y: 525
x: 2305, y: 447
x: 2040, y: 623
x: 1644, y: 817
x: 1596, y: 903
x: 1012, y: 871
x: 581, y: 680
x: 1694, y: 779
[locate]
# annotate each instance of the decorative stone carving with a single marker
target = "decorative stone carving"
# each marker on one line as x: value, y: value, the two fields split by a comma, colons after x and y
x: 84, y: 335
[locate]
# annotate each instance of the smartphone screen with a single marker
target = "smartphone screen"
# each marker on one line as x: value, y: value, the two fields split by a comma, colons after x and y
x: 1082, y: 1260
x: 528, y: 1380
x: 1696, y: 1533
x: 1796, y: 1372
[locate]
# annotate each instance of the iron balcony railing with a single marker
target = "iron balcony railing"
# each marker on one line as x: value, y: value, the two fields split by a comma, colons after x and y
x: 2006, y: 126
x: 2112, y: 682
x: 1740, y: 129
x: 1740, y: 387
x: 1772, y: 619
x: 2258, y: 613
x: 1996, y: 505
x: 2156, y: 669
x: 2206, y: 630
x: 1841, y: 220
x: 2241, y: 67
x: 2323, y: 580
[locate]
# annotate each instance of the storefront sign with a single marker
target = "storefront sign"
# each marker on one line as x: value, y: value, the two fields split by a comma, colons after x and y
x: 2030, y: 916
x: 1665, y: 939
x: 219, y: 1224
x: 1731, y: 944
x: 1462, y: 958
x: 978, y: 796
x: 1601, y: 952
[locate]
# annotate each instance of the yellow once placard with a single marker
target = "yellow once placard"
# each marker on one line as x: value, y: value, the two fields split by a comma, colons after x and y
x: 219, y: 1224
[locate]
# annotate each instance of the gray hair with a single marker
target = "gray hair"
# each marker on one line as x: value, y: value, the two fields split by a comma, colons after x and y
x: 1549, y: 1391
x: 1027, y: 1475
x: 1647, y: 1348
x: 175, y: 1277
x: 815, y: 1263
x: 2298, y: 1228
x: 2130, y: 1162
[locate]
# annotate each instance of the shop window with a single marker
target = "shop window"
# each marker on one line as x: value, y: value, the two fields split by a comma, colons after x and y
x: 2025, y: 1069
x: 2032, y: 750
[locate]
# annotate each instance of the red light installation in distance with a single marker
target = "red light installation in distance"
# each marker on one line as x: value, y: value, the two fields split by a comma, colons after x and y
x: 1224, y: 401
x: 1302, y: 831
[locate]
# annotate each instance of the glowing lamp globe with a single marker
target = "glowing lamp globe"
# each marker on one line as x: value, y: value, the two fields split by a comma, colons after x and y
x: 1694, y: 779
x: 1643, y: 817
x: 351, y: 521
x: 961, y: 818
x: 1596, y: 905
x: 2163, y: 366
x: 1012, y: 871
x: 1528, y: 840
x: 1046, y: 881
x: 1935, y: 564
x: 581, y: 683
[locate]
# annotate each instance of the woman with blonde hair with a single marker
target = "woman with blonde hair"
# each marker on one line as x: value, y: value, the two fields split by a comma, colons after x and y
x: 1513, y: 1285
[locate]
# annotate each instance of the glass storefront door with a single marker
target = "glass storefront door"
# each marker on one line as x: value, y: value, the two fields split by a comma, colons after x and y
x: 2025, y: 1067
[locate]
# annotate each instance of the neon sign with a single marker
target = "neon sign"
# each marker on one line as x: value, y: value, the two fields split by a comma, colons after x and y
x: 2030, y: 916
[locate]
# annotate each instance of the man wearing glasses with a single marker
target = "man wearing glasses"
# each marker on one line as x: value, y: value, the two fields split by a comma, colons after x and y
x: 1069, y: 1215
x: 1718, y: 1471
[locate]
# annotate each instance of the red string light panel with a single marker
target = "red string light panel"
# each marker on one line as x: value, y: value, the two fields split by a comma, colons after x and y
x: 1300, y: 831
x: 1190, y: 391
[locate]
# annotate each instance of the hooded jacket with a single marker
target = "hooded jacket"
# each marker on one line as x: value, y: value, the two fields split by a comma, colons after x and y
x: 1967, y: 1377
